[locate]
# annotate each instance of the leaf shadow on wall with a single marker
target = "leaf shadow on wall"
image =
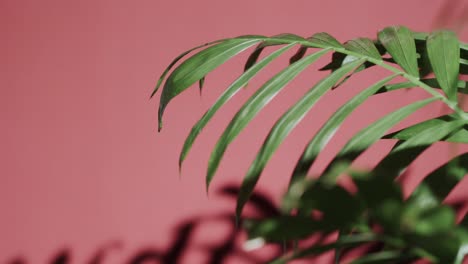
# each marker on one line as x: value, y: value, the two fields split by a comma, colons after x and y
x: 183, y: 240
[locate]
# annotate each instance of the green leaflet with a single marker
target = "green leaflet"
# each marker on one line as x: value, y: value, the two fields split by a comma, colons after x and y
x: 284, y: 126
x: 326, y: 132
x: 228, y: 94
x: 363, y: 46
x: 324, y: 39
x: 461, y: 85
x: 273, y: 41
x: 399, y: 42
x: 197, y: 66
x: 166, y: 71
x: 444, y: 54
x: 255, y: 103
x: 320, y: 39
x: 367, y: 136
x: 460, y: 136
x: 419, y: 139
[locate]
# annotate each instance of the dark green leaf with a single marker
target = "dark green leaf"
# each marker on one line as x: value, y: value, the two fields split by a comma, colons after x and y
x: 285, y: 227
x: 284, y: 126
x: 255, y: 103
x: 384, y: 257
x: 441, y: 181
x: 229, y: 93
x: 399, y: 42
x: 315, y: 250
x: 444, y: 53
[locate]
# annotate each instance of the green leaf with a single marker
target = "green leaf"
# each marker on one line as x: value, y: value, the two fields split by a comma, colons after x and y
x: 325, y: 40
x: 444, y: 53
x: 321, y: 39
x: 315, y: 250
x: 284, y: 126
x: 399, y: 42
x: 459, y: 136
x: 285, y: 227
x: 255, y: 103
x: 197, y: 66
x: 461, y: 85
x: 366, y: 137
x: 326, y: 132
x: 228, y: 94
x: 421, y: 138
x: 273, y: 41
x: 363, y: 46
x: 177, y: 59
x: 441, y: 181
x: 383, y: 257
x: 340, y: 209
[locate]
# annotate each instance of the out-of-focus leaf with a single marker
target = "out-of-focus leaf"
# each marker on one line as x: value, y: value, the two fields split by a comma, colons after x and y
x: 197, y: 66
x: 384, y: 257
x: 228, y: 94
x: 399, y: 42
x: 255, y: 103
x: 283, y: 127
x: 327, y: 199
x: 285, y: 227
x: 384, y: 197
x: 273, y: 41
x: 315, y: 250
x: 367, y: 136
x: 443, y: 246
x: 363, y: 46
x: 444, y: 53
x: 326, y: 132
x: 430, y: 221
x: 441, y: 181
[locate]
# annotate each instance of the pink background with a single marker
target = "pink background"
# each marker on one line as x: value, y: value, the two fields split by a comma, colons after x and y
x: 81, y: 162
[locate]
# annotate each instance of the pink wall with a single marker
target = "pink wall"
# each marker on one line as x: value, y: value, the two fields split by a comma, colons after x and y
x: 81, y: 162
